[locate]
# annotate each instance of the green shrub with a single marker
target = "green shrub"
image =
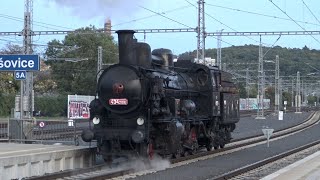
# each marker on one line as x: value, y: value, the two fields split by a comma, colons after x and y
x: 6, y: 104
x: 51, y: 106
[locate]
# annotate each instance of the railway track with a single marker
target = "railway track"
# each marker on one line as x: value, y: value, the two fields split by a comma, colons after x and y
x: 253, y: 171
x: 104, y: 172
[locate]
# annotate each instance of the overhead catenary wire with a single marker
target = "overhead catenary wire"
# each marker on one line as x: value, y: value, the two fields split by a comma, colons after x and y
x: 272, y: 46
x: 165, y: 17
x: 294, y: 21
x: 260, y: 14
x: 214, y: 37
x: 147, y: 17
x: 51, y: 45
x: 224, y: 41
x: 11, y: 40
x: 311, y: 66
x: 224, y: 23
x: 311, y: 11
x: 36, y: 23
x: 18, y: 42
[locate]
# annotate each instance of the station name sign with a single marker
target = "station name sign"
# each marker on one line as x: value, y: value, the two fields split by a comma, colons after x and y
x: 19, y: 63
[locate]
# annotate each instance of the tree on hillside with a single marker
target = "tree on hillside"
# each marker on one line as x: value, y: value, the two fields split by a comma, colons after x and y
x: 43, y: 82
x: 79, y: 77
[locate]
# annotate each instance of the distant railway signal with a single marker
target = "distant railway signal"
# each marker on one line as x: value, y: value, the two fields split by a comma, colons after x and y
x: 267, y: 133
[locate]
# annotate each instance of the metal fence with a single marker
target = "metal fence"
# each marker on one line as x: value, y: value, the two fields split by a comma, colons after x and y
x: 4, y: 130
x: 47, y: 131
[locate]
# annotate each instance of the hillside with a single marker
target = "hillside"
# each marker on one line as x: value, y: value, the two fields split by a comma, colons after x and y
x: 291, y: 60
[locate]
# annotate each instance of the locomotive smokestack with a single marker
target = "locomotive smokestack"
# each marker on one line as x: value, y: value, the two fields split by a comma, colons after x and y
x: 126, y: 44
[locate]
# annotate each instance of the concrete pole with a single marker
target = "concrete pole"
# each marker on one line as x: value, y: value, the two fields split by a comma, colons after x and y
x: 276, y: 87
x: 298, y: 94
x: 292, y: 95
x: 219, y: 49
x: 224, y: 67
x: 99, y: 62
x: 247, y: 88
x: 260, y: 111
x: 280, y: 94
x: 27, y: 85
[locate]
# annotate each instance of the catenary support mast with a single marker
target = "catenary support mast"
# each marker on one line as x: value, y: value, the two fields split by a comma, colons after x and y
x: 201, y: 32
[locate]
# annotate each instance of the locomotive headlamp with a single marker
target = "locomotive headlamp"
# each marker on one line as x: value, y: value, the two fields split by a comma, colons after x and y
x: 140, y: 121
x: 96, y: 120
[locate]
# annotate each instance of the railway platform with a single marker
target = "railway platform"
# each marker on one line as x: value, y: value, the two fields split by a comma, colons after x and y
x: 25, y: 160
x: 307, y: 168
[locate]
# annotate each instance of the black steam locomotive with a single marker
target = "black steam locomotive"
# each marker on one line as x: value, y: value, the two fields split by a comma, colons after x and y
x: 147, y: 104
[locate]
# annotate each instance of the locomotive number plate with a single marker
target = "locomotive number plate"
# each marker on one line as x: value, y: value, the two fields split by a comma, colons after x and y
x: 118, y: 102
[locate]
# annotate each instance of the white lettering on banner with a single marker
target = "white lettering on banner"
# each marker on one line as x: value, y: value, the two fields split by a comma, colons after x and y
x: 16, y: 63
x: 78, y: 109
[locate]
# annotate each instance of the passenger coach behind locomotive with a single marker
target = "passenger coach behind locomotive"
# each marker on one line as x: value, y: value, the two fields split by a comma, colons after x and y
x: 147, y: 105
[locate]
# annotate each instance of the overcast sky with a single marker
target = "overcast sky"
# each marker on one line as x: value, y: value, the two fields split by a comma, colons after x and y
x: 230, y: 15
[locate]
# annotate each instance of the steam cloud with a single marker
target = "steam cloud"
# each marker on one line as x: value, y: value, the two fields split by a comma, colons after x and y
x: 157, y: 164
x: 93, y: 8
x: 143, y: 166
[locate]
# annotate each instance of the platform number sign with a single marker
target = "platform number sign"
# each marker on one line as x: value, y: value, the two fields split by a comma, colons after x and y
x: 20, y: 75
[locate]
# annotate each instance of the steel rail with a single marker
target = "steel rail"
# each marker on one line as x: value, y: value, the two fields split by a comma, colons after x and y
x: 266, y: 161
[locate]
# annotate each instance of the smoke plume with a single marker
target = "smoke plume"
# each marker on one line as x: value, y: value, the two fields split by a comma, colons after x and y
x: 92, y: 8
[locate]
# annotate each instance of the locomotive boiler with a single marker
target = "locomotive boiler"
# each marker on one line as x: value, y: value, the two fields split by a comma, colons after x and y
x: 148, y: 104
